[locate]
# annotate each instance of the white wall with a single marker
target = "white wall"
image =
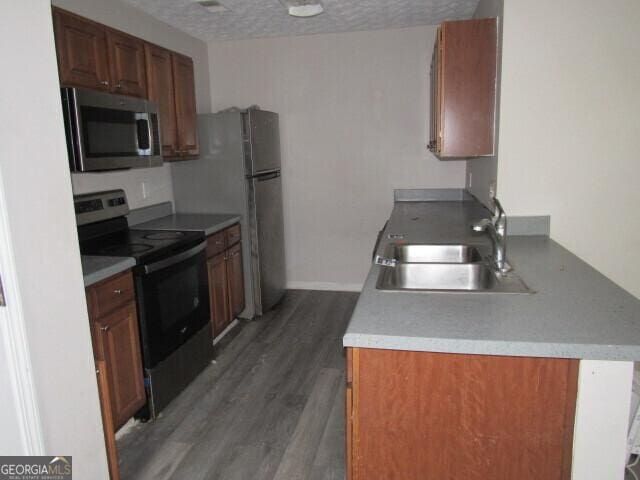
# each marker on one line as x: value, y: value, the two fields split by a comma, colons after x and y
x: 41, y: 223
x: 122, y: 16
x: 569, y: 129
x: 353, y: 117
x: 482, y: 172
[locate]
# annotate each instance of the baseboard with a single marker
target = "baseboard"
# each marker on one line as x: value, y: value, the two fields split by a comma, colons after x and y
x: 332, y: 286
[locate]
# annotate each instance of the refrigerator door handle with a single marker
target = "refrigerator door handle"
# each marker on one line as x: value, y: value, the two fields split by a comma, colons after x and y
x: 261, y: 177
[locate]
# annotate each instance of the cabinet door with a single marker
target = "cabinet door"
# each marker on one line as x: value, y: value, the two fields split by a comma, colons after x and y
x: 218, y: 292
x: 127, y: 65
x: 236, y: 280
x: 183, y: 78
x: 422, y: 415
x: 160, y: 89
x: 119, y: 346
x: 107, y: 420
x: 81, y: 46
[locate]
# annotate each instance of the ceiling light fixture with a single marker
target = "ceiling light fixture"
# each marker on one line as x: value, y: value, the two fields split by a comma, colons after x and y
x: 303, y: 8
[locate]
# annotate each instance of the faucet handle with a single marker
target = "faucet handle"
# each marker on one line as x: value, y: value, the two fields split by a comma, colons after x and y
x: 499, y: 211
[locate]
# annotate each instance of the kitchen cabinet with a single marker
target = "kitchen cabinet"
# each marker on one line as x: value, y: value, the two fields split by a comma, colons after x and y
x: 463, y: 89
x: 416, y: 415
x: 116, y: 342
x: 81, y: 46
x: 91, y: 55
x: 185, y: 99
x: 116, y: 348
x: 160, y: 89
x: 95, y: 56
x: 171, y: 83
x: 226, y: 279
x: 127, y: 64
x: 107, y: 420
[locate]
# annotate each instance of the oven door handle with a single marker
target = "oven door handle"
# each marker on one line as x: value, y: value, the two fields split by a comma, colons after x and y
x: 167, y: 262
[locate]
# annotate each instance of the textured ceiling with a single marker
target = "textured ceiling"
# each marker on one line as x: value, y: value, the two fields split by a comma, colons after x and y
x: 269, y: 18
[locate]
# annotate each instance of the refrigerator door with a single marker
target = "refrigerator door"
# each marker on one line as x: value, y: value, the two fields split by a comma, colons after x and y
x: 267, y: 235
x: 262, y: 147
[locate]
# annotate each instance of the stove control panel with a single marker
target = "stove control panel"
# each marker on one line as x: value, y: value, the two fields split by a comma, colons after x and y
x: 98, y: 206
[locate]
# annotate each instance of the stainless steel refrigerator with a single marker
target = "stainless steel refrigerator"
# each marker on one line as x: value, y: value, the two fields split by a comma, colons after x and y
x: 239, y: 172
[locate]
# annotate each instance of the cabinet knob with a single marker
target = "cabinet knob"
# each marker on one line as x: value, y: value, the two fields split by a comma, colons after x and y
x: 119, y: 85
x: 117, y: 291
x: 104, y: 82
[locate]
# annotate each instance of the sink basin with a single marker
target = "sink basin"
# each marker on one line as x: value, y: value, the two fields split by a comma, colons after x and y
x: 432, y: 253
x: 449, y: 277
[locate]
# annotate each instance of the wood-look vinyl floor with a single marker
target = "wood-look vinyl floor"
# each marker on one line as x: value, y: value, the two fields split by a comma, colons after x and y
x: 270, y: 407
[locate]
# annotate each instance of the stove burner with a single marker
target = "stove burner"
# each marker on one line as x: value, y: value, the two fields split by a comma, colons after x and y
x: 125, y: 250
x: 163, y: 235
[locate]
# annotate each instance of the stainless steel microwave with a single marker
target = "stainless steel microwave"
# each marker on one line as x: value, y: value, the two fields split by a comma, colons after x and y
x: 109, y: 132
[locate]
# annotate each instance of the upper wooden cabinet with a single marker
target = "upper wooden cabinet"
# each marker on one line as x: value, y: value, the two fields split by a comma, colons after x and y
x: 171, y: 83
x: 160, y: 89
x: 185, y: 97
x: 463, y: 89
x: 82, y: 51
x: 95, y: 56
x: 127, y: 65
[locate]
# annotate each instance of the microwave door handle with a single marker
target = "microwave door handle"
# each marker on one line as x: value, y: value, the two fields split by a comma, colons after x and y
x: 143, y: 117
x: 167, y: 262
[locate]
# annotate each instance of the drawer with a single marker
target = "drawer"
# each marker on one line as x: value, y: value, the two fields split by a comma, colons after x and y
x: 110, y: 294
x: 233, y: 234
x: 216, y: 244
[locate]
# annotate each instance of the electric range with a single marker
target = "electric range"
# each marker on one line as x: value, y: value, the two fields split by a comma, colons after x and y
x: 172, y: 292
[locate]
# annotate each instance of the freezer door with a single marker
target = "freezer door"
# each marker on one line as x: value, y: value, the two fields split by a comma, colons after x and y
x: 267, y: 236
x: 262, y: 147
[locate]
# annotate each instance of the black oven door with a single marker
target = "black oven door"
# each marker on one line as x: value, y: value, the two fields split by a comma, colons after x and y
x: 173, y: 302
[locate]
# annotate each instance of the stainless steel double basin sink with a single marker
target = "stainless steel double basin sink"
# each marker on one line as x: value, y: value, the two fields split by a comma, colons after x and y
x: 444, y: 268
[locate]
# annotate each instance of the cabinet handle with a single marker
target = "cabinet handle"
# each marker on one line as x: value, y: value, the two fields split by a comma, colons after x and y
x: 104, y: 82
x: 105, y: 328
x: 119, y: 85
x: 218, y: 242
x: 117, y: 291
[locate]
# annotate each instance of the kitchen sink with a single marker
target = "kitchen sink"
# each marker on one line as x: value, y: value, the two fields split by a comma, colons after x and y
x: 443, y: 268
x: 430, y: 253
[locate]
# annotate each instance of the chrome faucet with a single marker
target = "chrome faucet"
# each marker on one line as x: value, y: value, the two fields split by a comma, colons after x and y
x: 496, y: 228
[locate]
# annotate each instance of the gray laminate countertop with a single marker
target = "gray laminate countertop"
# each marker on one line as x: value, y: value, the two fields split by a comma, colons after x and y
x: 96, y: 268
x: 208, y: 223
x: 576, y: 313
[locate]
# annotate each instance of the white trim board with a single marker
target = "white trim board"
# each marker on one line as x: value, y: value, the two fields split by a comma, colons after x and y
x: 602, y: 420
x: 328, y: 286
x: 13, y: 332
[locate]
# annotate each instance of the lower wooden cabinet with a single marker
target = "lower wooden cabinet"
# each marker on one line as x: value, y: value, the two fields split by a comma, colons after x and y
x: 236, y: 280
x: 422, y: 415
x: 218, y: 292
x: 226, y: 279
x: 118, y: 344
x: 116, y: 348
